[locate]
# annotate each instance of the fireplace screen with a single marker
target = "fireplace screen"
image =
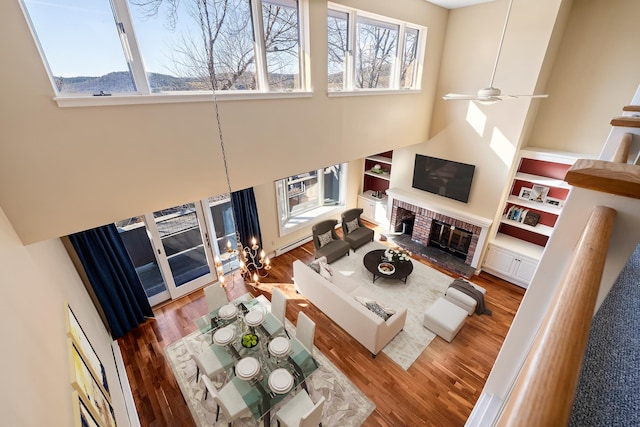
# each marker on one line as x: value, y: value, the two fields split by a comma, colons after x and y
x: 454, y: 240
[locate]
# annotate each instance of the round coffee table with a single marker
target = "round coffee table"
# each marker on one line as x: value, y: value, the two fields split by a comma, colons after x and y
x: 372, y: 259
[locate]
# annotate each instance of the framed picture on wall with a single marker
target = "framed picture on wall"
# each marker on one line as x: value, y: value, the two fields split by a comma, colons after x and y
x: 75, y: 332
x: 539, y: 193
x: 89, y: 389
x: 82, y: 415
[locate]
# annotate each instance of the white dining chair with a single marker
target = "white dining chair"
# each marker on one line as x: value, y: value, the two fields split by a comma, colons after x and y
x: 279, y: 307
x: 229, y: 400
x: 216, y: 296
x: 305, y: 331
x: 206, y: 361
x: 300, y: 411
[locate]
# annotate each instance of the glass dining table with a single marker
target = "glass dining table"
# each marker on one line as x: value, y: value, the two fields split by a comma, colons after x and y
x: 258, y: 392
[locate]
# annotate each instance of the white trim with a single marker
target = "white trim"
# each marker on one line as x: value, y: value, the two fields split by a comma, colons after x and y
x: 369, y: 92
x: 167, y: 98
x: 129, y: 403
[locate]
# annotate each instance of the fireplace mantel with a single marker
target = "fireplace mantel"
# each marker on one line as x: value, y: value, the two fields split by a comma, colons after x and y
x: 417, y: 201
x: 415, y: 198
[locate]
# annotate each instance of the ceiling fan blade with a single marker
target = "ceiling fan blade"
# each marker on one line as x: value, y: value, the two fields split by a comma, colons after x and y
x: 458, y: 96
x: 542, y: 95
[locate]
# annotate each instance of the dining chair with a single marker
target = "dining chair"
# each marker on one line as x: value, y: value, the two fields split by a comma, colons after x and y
x: 228, y: 399
x: 300, y: 411
x: 206, y: 361
x: 279, y: 307
x: 216, y: 296
x: 305, y: 331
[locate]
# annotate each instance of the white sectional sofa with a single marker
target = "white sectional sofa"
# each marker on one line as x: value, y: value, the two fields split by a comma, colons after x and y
x: 335, y: 298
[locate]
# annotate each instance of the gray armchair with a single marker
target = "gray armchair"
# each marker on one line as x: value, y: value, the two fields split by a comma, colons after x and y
x: 333, y: 248
x: 358, y: 236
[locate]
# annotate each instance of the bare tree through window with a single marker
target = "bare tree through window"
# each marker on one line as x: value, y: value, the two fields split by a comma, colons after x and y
x: 218, y: 49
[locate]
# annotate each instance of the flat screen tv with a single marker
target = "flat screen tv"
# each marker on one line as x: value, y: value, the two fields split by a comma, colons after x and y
x: 443, y: 177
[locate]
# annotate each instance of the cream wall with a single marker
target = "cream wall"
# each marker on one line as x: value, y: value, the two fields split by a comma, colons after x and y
x: 596, y: 73
x: 37, y: 280
x: 487, y: 136
x: 64, y: 170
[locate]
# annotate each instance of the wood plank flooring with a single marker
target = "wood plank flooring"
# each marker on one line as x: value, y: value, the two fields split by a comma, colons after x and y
x: 439, y: 389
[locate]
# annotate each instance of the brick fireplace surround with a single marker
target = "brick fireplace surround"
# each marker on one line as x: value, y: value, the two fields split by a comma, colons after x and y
x: 407, y: 203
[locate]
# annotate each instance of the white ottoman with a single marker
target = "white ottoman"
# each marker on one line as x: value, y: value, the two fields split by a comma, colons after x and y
x: 445, y: 319
x: 463, y: 300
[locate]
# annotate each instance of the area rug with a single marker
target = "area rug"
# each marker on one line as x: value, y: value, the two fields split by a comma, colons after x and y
x: 345, y: 404
x: 424, y: 286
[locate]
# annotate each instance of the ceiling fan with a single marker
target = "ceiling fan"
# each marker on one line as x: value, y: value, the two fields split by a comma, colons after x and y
x: 491, y: 94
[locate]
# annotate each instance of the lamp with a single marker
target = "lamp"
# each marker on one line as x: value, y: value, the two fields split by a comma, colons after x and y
x: 254, y: 264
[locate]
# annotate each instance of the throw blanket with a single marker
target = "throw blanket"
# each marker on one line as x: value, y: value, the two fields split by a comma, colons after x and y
x: 466, y: 288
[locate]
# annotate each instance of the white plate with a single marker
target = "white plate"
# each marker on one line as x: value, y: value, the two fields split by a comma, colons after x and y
x: 280, y: 381
x: 223, y: 336
x: 254, y: 317
x: 279, y: 346
x: 227, y: 311
x: 386, y: 268
x: 247, y: 368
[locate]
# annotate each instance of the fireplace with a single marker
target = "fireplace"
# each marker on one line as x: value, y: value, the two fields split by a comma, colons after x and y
x: 427, y: 229
x: 450, y: 239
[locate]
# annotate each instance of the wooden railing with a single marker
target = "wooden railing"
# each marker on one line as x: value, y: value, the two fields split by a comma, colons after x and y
x: 544, y: 391
x: 545, y: 388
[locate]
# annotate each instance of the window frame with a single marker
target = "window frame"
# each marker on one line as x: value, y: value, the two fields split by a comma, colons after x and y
x: 350, y: 88
x: 144, y: 95
x: 289, y: 223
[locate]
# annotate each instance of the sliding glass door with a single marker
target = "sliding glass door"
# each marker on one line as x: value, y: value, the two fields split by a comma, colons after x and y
x: 172, y: 249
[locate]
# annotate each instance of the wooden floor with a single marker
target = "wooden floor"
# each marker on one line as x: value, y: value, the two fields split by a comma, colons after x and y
x: 439, y: 389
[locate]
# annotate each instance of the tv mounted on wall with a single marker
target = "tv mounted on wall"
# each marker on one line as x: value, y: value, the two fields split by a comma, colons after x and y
x: 443, y: 177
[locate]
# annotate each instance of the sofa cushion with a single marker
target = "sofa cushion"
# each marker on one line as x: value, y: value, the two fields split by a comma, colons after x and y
x: 325, y: 238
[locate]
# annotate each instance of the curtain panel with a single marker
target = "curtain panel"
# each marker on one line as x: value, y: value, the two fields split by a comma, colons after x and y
x: 112, y: 277
x: 246, y: 215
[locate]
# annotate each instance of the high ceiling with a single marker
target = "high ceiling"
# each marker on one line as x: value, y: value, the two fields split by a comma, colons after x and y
x: 454, y: 4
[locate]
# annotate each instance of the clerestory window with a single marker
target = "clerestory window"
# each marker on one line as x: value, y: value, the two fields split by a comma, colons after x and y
x: 367, y: 51
x: 120, y: 47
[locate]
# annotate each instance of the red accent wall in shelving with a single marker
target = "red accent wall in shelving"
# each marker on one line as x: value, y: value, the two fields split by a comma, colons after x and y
x: 537, y: 239
x: 544, y: 168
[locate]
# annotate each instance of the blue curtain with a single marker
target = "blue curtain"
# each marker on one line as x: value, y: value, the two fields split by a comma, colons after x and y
x: 113, y: 278
x: 246, y: 213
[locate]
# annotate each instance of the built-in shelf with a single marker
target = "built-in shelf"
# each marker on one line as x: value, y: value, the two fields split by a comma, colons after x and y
x: 380, y: 159
x: 518, y: 245
x: 544, y: 207
x: 381, y: 175
x: 542, y: 180
x: 545, y: 230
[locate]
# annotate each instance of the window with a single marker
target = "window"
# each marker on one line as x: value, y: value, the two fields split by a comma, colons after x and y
x: 367, y: 52
x: 304, y: 197
x: 119, y: 47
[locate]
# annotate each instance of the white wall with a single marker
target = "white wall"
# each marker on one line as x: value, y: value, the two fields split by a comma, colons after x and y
x: 37, y: 280
x: 68, y: 169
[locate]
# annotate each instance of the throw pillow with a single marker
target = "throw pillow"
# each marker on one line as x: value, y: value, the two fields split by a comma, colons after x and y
x: 352, y: 225
x: 315, y: 264
x: 325, y: 270
x: 325, y: 238
x: 364, y: 301
x: 375, y: 308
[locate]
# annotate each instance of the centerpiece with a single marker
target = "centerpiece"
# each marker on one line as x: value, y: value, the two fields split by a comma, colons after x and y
x: 249, y: 340
x: 396, y: 255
